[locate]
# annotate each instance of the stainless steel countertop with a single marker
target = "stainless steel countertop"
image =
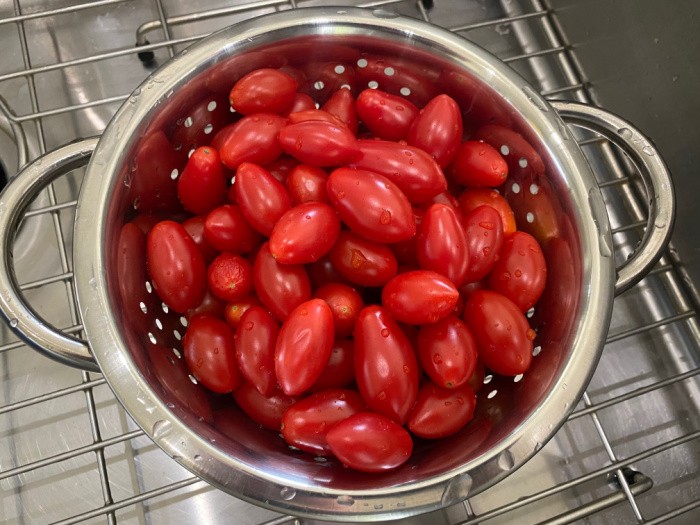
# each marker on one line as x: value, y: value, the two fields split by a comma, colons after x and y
x: 68, y: 451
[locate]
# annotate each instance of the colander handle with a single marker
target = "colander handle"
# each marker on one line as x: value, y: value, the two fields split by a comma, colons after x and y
x: 18, y: 194
x: 654, y: 174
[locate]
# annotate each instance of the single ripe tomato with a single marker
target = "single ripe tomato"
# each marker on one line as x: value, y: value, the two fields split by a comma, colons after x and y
x: 361, y: 261
x: 267, y: 411
x: 235, y: 310
x: 520, y: 272
x: 255, y: 341
x: 478, y: 164
x: 210, y: 353
x: 414, y: 171
x: 280, y: 287
x: 340, y: 370
x: 263, y: 90
x: 438, y: 129
x: 306, y: 423
x: 307, y: 184
x: 345, y: 303
x: 386, y: 369
x: 441, y: 244
x: 387, y: 116
x: 202, y: 186
x: 516, y: 151
x: 484, y: 233
x: 370, y: 442
x: 441, y: 412
x: 319, y: 143
x: 262, y: 198
x: 503, y: 336
x: 176, y: 266
x: 304, y: 346
x: 304, y: 233
x: 371, y: 205
x: 447, y: 352
x: 341, y: 104
x: 472, y: 198
x: 419, y: 297
x: 230, y: 277
x: 227, y: 230
x: 251, y: 139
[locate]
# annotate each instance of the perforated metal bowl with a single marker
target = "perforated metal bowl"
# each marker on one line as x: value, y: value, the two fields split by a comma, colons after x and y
x: 135, y: 341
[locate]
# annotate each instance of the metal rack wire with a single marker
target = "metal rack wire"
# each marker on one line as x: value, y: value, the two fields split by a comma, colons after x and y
x: 594, y: 457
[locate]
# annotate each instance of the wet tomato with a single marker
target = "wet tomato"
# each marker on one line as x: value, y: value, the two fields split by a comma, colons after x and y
x: 255, y: 341
x: 441, y: 412
x: 419, y: 297
x: 210, y: 353
x: 447, y: 352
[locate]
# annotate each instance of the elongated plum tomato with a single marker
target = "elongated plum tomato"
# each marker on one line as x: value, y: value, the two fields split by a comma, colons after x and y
x: 371, y: 205
x: 478, y: 164
x: 503, y: 336
x: 305, y: 233
x: 370, y: 442
x: 361, y: 261
x: 268, y: 90
x: 202, y: 186
x: 176, y: 266
x: 319, y: 143
x: 438, y: 129
x: 251, y: 139
x: 255, y: 341
x: 447, y: 352
x: 387, y: 116
x: 261, y: 198
x: 341, y: 105
x: 441, y: 412
x: 304, y: 346
x: 386, y: 369
x: 419, y: 297
x: 483, y: 229
x: 306, y: 423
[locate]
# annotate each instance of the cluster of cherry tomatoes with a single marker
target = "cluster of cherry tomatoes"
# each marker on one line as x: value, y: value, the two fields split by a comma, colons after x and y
x: 352, y: 282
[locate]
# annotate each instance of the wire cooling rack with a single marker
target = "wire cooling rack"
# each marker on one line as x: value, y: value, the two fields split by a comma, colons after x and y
x: 629, y: 453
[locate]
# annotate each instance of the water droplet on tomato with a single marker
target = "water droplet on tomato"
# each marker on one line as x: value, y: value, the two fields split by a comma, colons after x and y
x: 381, y: 396
x: 249, y: 325
x: 505, y: 276
x: 518, y: 273
x: 530, y: 334
x: 448, y: 403
x: 385, y: 217
x: 437, y: 359
x: 385, y: 332
x: 486, y: 225
x: 406, y: 369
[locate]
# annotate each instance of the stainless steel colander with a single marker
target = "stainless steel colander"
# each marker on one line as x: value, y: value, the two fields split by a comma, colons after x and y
x: 134, y: 340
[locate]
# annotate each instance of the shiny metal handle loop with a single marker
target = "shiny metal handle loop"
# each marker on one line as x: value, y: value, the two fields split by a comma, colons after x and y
x: 654, y: 174
x: 20, y: 191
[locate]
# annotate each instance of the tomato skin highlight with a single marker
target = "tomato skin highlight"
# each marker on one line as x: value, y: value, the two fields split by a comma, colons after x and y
x: 419, y: 297
x: 307, y: 184
x: 176, y: 266
x: 371, y: 205
x: 441, y: 412
x: 306, y: 423
x: 386, y: 369
x: 503, y: 336
x: 210, y: 353
x: 303, y: 346
x: 370, y: 442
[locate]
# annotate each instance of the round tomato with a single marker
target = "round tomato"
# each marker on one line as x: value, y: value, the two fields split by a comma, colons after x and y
x: 264, y: 410
x: 319, y: 143
x: 262, y: 198
x: 387, y: 116
x: 280, y: 287
x: 304, y: 233
x: 441, y: 412
x: 447, y: 352
x: 342, y: 106
x: 370, y: 442
x: 230, y: 277
x: 345, y: 304
x: 520, y: 272
x: 234, y: 311
x: 361, y: 261
x: 441, y: 244
x: 210, y: 353
x: 251, y: 139
x: 340, y: 370
x: 306, y: 423
x: 472, y: 198
x: 304, y: 346
x: 371, y: 205
x: 478, y: 164
x: 202, y: 186
x: 307, y: 184
x: 503, y: 336
x: 263, y: 90
x: 419, y: 297
x: 227, y: 230
x: 438, y: 129
x: 255, y: 341
x: 176, y: 266
x: 386, y: 369
x: 484, y: 233
x: 415, y: 172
